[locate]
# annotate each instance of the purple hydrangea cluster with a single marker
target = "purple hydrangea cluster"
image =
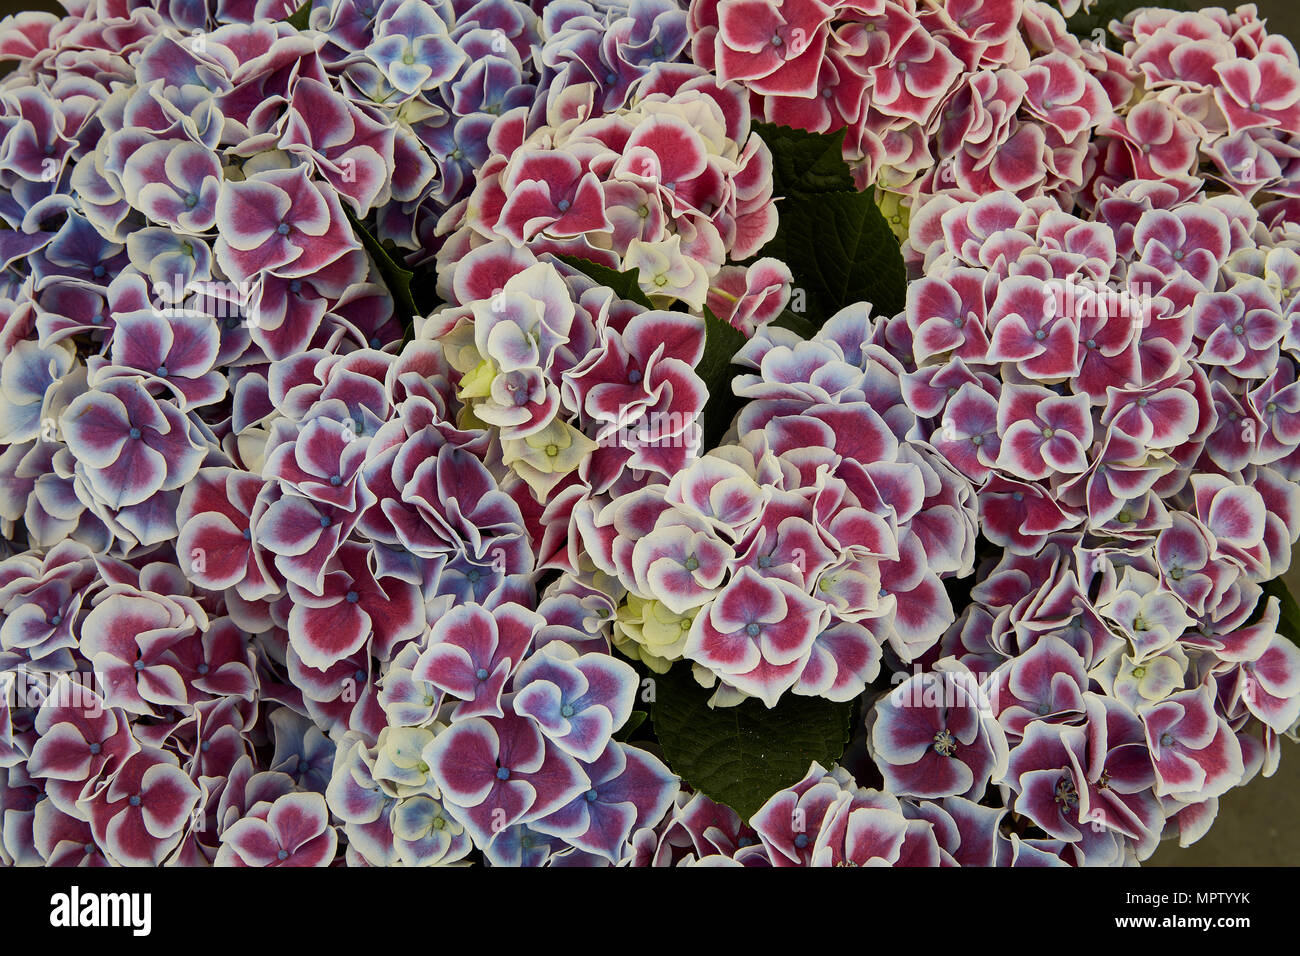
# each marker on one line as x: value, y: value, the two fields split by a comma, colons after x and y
x: 235, y: 504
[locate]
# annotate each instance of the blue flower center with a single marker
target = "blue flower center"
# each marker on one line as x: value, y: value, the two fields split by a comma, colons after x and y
x: 283, y: 229
x: 135, y: 800
x: 634, y: 376
x: 134, y: 433
x: 481, y: 673
x: 295, y: 285
x: 566, y: 710
x: 352, y: 597
x: 303, y: 766
x: 503, y: 773
x: 162, y: 371
x: 591, y: 796
x: 248, y: 534
x: 203, y: 668
x: 752, y: 629
x: 96, y: 748
x: 191, y: 201
x: 98, y: 271
x: 801, y: 840
x: 282, y: 855
x: 563, y: 205
x: 336, y: 480
x: 324, y: 521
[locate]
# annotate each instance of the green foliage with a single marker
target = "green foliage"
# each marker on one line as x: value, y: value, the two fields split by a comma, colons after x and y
x: 834, y: 239
x: 804, y: 162
x: 1289, y: 623
x: 396, y: 277
x: 721, y: 343
x: 298, y: 18
x: 626, y: 285
x: 634, y: 722
x: 742, y: 755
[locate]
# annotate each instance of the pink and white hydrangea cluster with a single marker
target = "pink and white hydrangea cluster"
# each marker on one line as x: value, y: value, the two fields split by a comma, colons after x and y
x: 673, y: 185
x: 1110, y: 384
x: 961, y: 95
x: 1226, y: 108
x: 790, y: 557
x: 574, y: 391
x: 963, y: 99
x: 303, y: 569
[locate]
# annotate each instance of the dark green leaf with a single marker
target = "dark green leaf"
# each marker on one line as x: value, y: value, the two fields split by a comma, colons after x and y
x: 1289, y: 623
x: 841, y: 251
x: 834, y: 239
x: 298, y: 18
x: 804, y: 162
x: 626, y: 285
x: 634, y: 720
x: 742, y: 755
x: 721, y: 343
x: 396, y: 277
x: 797, y: 324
